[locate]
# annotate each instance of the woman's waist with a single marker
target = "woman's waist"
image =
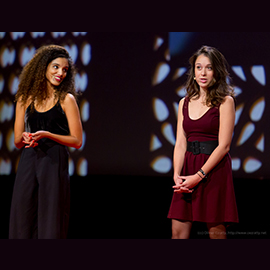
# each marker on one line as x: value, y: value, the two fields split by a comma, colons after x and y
x: 202, y: 147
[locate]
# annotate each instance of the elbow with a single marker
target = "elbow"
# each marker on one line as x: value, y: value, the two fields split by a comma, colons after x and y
x: 226, y: 149
x: 78, y: 145
x: 17, y: 144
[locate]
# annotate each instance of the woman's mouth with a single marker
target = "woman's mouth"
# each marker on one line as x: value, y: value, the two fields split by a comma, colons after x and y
x: 58, y: 79
x: 203, y: 80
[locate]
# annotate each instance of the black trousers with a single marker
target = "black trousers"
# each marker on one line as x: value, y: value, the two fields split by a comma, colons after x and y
x: 41, y: 196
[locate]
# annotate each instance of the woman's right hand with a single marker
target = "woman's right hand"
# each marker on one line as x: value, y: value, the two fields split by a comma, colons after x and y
x: 178, y: 188
x: 177, y: 180
x: 28, y: 141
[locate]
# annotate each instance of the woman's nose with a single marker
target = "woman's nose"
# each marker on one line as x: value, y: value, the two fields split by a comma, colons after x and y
x: 203, y: 71
x: 60, y: 72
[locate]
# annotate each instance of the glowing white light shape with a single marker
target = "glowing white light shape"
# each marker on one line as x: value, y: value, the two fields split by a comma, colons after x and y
x: 159, y: 41
x: 236, y: 163
x: 58, y: 34
x: 181, y: 91
x: 238, y: 113
x: 238, y: 70
x: 10, y: 140
x: 237, y: 91
x: 167, y: 55
x: 71, y: 167
x: 26, y: 55
x: 168, y: 133
x: 160, y: 110
x: 85, y: 111
x: 161, y: 164
x: 81, y: 81
x: 75, y: 34
x: 259, y: 74
x: 8, y: 57
x: 82, y: 167
x: 5, y: 167
x: 260, y: 143
x: 14, y: 84
x: 179, y: 72
x: 6, y: 111
x: 161, y: 73
x: 251, y: 165
x: 73, y: 51
x: 16, y: 35
x: 86, y: 54
x: 257, y: 109
x: 155, y: 143
x: 246, y: 133
x: 37, y: 34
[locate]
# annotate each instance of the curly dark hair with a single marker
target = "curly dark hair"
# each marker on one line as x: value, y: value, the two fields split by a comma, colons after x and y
x: 33, y: 82
x: 221, y: 85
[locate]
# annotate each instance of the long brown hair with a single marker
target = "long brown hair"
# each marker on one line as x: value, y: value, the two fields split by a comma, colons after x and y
x: 33, y: 82
x: 220, y: 87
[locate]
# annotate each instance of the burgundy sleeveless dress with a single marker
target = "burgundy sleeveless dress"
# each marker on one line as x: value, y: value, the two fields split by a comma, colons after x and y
x: 213, y: 199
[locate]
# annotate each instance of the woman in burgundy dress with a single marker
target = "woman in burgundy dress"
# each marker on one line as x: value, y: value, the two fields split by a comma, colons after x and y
x: 203, y: 189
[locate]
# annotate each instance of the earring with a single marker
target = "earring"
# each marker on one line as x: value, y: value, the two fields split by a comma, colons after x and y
x: 195, y: 78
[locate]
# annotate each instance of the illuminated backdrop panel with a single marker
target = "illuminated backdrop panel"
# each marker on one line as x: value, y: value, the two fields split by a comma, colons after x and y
x: 248, y: 57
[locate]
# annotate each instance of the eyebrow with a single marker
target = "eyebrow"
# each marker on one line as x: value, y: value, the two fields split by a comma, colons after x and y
x: 206, y: 65
x: 56, y: 64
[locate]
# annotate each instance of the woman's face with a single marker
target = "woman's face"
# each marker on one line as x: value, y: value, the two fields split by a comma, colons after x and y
x: 57, y: 71
x: 204, y: 73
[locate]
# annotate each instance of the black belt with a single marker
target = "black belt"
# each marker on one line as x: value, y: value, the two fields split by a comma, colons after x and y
x: 197, y: 147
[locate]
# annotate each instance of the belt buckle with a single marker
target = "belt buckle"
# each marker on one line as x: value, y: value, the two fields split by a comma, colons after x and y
x: 196, y: 147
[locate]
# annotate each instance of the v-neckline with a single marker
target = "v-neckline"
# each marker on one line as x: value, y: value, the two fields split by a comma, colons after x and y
x: 200, y: 116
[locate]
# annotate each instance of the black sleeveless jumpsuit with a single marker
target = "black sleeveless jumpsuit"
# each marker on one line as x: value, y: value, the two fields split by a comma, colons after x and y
x: 41, y: 196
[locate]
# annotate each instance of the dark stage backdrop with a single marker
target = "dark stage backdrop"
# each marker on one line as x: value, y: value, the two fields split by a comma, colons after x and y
x: 131, y: 83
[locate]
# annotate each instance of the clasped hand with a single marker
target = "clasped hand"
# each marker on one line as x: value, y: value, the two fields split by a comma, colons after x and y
x: 185, y: 184
x: 30, y: 139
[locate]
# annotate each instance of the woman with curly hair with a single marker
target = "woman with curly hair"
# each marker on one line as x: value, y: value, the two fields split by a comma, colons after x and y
x: 47, y: 121
x: 203, y: 190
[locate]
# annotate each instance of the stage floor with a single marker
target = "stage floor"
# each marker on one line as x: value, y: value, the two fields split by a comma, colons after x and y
x: 136, y: 207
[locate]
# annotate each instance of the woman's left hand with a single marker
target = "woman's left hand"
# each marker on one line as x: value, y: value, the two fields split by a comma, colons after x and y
x: 189, y: 182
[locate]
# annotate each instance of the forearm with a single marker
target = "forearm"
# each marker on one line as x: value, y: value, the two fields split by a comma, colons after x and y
x: 67, y: 140
x: 178, y: 159
x: 214, y: 159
